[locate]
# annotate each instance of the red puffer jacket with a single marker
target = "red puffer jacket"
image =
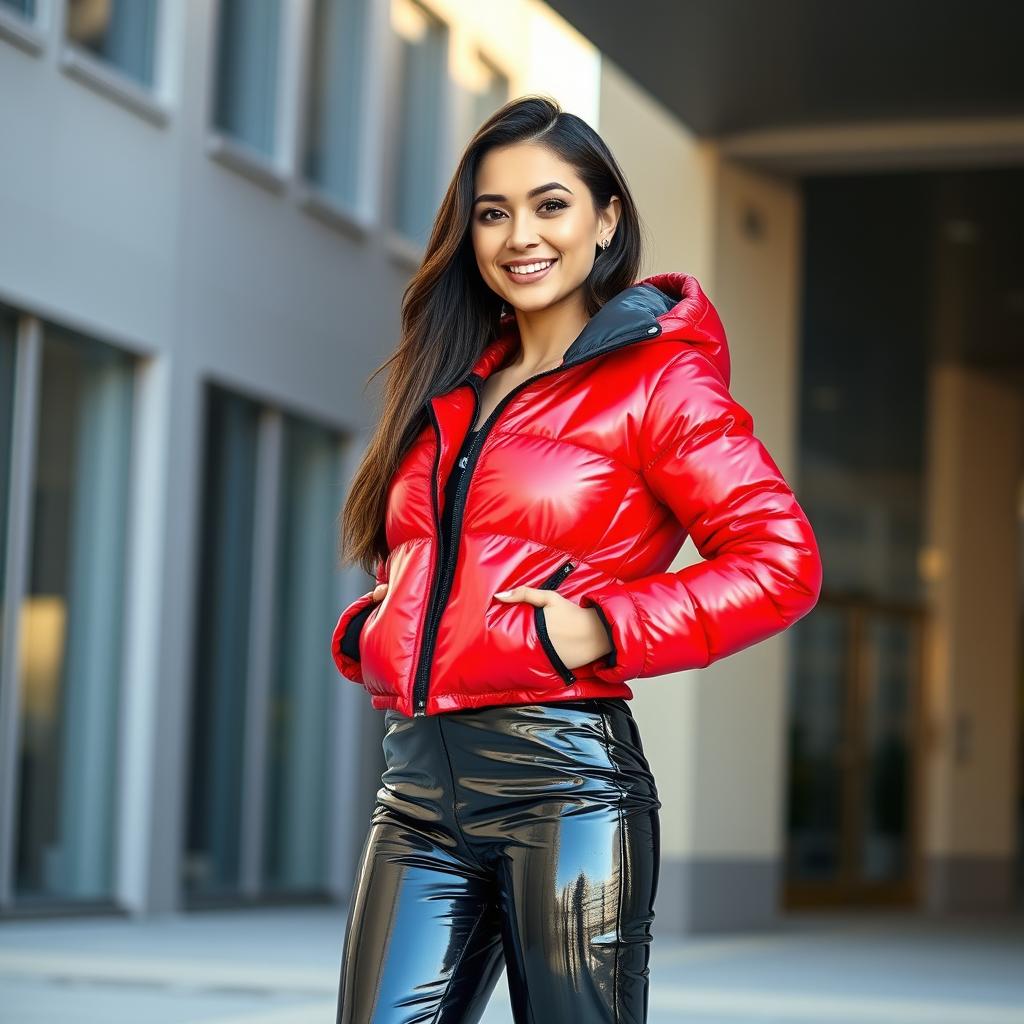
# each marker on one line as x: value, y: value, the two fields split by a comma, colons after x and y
x: 586, y: 478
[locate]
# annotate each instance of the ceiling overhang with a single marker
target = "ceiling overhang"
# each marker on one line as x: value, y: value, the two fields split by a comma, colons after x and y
x: 809, y: 85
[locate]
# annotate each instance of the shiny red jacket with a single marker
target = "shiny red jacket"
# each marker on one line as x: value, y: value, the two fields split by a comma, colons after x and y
x: 586, y: 478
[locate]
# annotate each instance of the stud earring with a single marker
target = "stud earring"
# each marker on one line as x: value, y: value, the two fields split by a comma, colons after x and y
x: 605, y: 243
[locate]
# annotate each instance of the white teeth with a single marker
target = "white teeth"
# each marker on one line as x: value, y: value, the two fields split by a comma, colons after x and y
x: 531, y: 268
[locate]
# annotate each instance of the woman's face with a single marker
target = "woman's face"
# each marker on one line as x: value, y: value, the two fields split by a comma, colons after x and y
x: 557, y: 226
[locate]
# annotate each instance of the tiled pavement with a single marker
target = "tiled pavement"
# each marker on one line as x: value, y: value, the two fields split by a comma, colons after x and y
x: 279, y: 966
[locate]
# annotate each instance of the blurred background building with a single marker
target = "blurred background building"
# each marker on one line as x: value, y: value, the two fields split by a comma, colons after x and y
x: 208, y: 213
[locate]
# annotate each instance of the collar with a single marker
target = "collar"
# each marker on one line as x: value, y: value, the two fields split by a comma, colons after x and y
x: 671, y: 306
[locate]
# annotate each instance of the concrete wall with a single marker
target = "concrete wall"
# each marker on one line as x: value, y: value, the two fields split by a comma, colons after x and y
x: 715, y: 738
x: 126, y: 217
x: 971, y: 715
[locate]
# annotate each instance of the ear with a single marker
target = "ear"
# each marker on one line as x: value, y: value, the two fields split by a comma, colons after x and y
x: 610, y: 216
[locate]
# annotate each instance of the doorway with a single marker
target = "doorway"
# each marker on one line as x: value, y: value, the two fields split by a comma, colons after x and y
x: 912, y: 333
x: 854, y: 756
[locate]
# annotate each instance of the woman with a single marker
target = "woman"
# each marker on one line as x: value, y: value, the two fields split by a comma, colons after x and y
x: 532, y: 477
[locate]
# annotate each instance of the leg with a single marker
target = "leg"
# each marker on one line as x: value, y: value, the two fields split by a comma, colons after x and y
x: 579, y: 877
x: 577, y: 929
x: 423, y: 940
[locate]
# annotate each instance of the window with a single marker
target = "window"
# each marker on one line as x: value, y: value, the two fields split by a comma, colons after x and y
x: 263, y: 678
x: 492, y: 94
x: 27, y: 8
x: 423, y: 81
x: 295, y: 842
x: 222, y: 644
x: 8, y: 330
x: 69, y: 668
x: 120, y: 32
x: 336, y: 94
x: 247, y: 60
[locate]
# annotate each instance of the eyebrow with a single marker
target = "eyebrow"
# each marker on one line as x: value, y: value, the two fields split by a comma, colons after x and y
x: 493, y: 197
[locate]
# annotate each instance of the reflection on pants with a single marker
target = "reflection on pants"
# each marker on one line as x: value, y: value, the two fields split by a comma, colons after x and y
x: 522, y: 836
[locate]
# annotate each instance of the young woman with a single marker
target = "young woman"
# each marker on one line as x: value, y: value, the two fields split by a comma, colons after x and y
x: 552, y: 430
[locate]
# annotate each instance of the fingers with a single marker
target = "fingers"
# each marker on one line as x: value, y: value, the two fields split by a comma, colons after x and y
x: 532, y: 595
x: 379, y: 591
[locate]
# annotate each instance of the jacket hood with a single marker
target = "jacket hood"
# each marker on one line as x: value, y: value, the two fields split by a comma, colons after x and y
x: 671, y: 306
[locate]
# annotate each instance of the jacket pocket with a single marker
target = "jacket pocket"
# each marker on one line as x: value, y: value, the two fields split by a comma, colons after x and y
x: 345, y: 641
x: 553, y: 582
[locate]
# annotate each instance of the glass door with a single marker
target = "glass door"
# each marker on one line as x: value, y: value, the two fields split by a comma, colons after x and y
x: 854, y: 744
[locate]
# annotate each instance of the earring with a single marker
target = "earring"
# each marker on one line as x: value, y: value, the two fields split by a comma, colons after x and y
x: 605, y: 243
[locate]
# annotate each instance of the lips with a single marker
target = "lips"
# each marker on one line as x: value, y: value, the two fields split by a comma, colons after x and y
x: 521, y: 278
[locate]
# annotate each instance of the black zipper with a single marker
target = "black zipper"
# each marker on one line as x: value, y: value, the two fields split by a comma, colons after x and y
x: 553, y: 582
x: 446, y: 560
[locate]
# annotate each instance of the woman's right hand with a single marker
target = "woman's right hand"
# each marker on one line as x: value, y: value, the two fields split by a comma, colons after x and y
x: 379, y: 591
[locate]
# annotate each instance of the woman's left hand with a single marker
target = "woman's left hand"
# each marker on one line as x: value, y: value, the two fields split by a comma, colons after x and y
x: 576, y: 633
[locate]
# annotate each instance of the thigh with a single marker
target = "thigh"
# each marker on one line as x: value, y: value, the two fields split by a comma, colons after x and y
x: 423, y: 939
x: 578, y: 886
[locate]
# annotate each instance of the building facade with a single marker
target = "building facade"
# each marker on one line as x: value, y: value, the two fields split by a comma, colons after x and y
x: 208, y: 213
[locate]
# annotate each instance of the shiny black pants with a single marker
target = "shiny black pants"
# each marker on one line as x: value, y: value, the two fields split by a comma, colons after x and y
x: 522, y: 836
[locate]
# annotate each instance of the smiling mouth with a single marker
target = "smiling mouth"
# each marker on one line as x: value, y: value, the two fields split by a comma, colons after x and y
x: 529, y: 271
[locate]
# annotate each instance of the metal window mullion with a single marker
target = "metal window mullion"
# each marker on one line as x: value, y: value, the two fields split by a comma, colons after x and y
x: 292, y: 20
x: 27, y: 385
x: 371, y: 142
x: 295, y: 85
x: 261, y: 647
x: 349, y: 740
x: 167, y: 46
x: 143, y: 673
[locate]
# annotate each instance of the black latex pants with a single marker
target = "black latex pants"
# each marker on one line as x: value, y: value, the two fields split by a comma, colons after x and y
x: 523, y: 836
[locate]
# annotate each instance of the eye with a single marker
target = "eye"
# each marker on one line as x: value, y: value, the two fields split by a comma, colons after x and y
x: 558, y: 205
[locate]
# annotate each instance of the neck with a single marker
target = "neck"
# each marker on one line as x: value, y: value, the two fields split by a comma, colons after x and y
x: 545, y: 334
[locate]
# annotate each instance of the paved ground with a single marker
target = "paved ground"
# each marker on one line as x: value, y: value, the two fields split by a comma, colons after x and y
x: 279, y: 966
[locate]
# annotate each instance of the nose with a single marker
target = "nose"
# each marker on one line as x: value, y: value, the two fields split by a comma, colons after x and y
x: 521, y: 236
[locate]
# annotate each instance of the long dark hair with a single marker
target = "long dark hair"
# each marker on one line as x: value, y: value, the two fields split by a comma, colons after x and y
x: 449, y: 314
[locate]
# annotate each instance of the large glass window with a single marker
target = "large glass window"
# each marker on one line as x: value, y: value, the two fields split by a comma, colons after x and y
x: 212, y: 863
x: 336, y: 91
x: 818, y: 717
x: 302, y: 683
x: 857, y: 665
x: 492, y: 93
x: 8, y: 332
x: 422, y: 82
x: 247, y: 62
x: 25, y: 7
x: 263, y: 682
x: 121, y: 32
x: 70, y: 638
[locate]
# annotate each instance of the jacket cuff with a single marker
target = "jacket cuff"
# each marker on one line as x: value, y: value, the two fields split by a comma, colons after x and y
x: 345, y: 639
x: 621, y: 617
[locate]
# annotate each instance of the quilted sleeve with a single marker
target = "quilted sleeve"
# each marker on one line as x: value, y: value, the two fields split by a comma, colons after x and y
x: 761, y: 568
x: 345, y: 639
